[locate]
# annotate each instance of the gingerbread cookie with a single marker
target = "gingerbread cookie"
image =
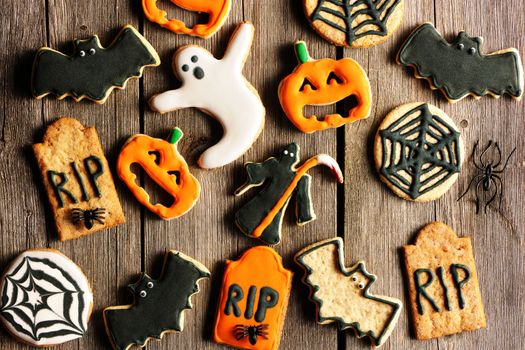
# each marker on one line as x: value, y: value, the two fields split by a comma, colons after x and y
x: 342, y: 295
x: 356, y: 24
x: 218, y: 88
x: 468, y: 71
x: 418, y: 151
x: 324, y: 82
x: 262, y: 216
x: 159, y: 304
x: 77, y: 179
x: 92, y: 71
x: 216, y: 10
x: 253, y: 301
x: 162, y: 162
x: 443, y: 284
x: 45, y: 298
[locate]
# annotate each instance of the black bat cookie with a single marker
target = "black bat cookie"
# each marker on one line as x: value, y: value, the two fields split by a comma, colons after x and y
x: 459, y: 68
x: 159, y: 304
x: 92, y: 71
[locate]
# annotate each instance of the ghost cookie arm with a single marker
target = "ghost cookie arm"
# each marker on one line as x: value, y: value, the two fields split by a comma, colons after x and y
x: 172, y: 100
x: 239, y: 45
x: 257, y: 174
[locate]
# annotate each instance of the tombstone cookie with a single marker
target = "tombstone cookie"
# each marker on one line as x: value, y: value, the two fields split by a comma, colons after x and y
x: 159, y: 304
x: 92, y: 71
x: 342, y: 295
x: 468, y: 71
x: 262, y: 216
x: 253, y: 301
x: 418, y: 152
x: 218, y: 88
x: 165, y: 166
x: 324, y: 82
x: 443, y: 285
x: 77, y: 179
x: 45, y: 299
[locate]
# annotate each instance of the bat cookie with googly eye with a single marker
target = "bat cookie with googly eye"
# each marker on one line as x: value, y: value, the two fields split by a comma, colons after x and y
x: 45, y: 298
x: 92, y: 72
x: 342, y: 295
x: 324, y: 82
x: 166, y: 167
x: 217, y: 11
x: 355, y: 24
x: 77, y: 180
x: 159, y: 304
x: 218, y: 88
x: 262, y: 216
x: 467, y: 71
x: 418, y: 151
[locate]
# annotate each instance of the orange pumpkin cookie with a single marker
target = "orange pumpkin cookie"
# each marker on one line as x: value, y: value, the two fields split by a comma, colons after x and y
x: 253, y: 301
x: 323, y: 82
x: 164, y: 165
x: 217, y: 11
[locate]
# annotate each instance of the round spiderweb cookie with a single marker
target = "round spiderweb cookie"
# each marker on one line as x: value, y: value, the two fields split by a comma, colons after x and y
x: 354, y: 23
x: 45, y: 298
x: 418, y: 151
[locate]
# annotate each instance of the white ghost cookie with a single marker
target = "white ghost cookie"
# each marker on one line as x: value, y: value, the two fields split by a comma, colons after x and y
x: 218, y: 88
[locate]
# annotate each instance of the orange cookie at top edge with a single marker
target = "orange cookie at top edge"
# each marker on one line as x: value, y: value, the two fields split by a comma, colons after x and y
x: 217, y: 11
x: 323, y: 82
x: 164, y: 165
x: 253, y: 301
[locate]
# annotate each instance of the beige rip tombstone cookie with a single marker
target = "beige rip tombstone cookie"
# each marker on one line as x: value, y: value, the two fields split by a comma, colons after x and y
x: 77, y: 179
x: 444, y: 293
x: 356, y: 24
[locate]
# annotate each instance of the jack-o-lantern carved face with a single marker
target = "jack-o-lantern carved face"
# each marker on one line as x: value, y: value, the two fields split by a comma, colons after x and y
x: 164, y: 165
x: 324, y: 82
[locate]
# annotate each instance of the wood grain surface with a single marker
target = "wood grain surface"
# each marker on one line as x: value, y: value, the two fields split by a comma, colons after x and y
x: 374, y: 222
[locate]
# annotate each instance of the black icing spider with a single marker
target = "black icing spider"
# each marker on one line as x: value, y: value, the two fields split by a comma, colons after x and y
x: 252, y: 332
x: 489, y: 177
x: 88, y: 216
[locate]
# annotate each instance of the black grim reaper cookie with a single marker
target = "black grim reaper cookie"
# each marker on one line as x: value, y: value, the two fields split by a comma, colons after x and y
x: 459, y: 68
x: 262, y: 216
x: 159, y: 304
x: 92, y: 71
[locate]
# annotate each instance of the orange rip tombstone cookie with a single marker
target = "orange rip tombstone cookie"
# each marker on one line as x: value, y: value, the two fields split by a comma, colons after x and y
x: 164, y: 165
x: 77, y: 179
x: 342, y: 295
x: 324, y: 82
x: 253, y: 301
x: 217, y: 11
x: 443, y: 285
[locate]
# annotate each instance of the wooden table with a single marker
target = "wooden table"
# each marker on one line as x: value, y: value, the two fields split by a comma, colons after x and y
x: 373, y: 221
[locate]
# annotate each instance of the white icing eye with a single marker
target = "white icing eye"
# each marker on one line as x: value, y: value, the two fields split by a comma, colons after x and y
x: 149, y: 285
x: 143, y: 293
x: 82, y: 53
x: 361, y: 285
x: 461, y: 46
x: 472, y: 51
x: 354, y: 278
x: 92, y: 51
x: 285, y: 152
x: 291, y: 154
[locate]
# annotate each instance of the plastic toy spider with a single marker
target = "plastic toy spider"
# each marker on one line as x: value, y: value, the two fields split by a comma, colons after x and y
x: 489, y: 177
x: 252, y: 332
x: 88, y: 216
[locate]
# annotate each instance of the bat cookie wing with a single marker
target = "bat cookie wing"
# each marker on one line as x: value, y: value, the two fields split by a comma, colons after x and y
x: 459, y: 68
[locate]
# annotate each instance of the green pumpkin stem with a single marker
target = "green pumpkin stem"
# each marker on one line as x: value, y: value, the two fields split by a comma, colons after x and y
x: 301, y: 52
x: 175, y: 136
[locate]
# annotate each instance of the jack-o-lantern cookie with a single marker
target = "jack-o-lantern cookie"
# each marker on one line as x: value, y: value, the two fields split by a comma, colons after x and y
x: 253, y: 301
x: 217, y: 11
x: 354, y: 23
x: 164, y: 165
x: 323, y: 82
x: 45, y: 298
x: 418, y: 152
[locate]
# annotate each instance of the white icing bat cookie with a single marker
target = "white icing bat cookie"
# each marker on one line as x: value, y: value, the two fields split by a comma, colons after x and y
x: 218, y: 88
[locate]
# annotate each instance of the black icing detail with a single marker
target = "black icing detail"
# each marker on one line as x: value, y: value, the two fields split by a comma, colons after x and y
x: 92, y: 75
x: 198, y: 73
x: 250, y: 302
x: 161, y: 310
x: 58, y: 187
x: 459, y: 68
x: 194, y: 59
x: 268, y: 298
x: 421, y: 290
x: 454, y: 268
x: 235, y: 294
x: 185, y: 68
x: 93, y: 174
